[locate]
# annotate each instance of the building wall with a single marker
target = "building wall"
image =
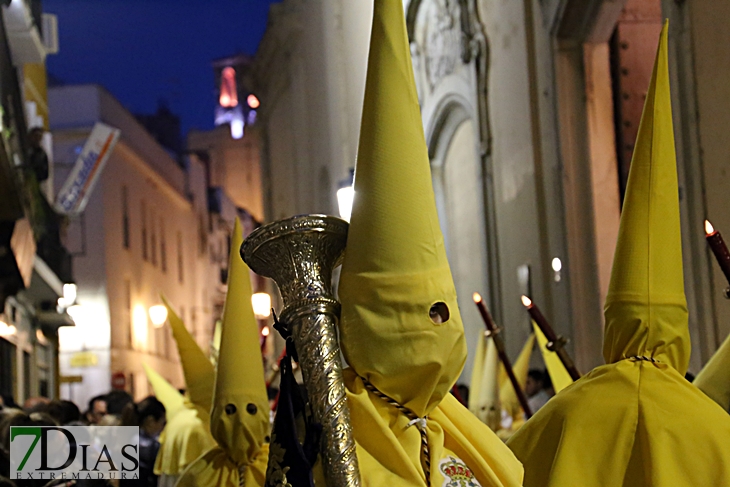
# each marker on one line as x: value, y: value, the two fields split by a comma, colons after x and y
x: 699, y: 61
x: 234, y: 165
x: 166, y: 213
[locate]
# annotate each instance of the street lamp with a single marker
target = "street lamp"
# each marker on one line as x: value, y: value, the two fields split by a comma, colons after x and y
x: 158, y: 315
x: 345, y: 196
x: 261, y: 303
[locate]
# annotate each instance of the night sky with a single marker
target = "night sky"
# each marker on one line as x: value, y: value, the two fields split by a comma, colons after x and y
x: 146, y: 50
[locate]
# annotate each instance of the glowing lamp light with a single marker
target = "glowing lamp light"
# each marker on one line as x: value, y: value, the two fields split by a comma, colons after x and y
x: 265, y: 331
x: 139, y: 326
x: 236, y: 128
x: 261, y: 303
x: 41, y: 337
x: 345, y: 197
x: 526, y: 302
x: 253, y: 101
x: 158, y: 315
x: 709, y: 229
x: 7, y: 330
x: 477, y: 298
x: 69, y: 293
x: 557, y: 264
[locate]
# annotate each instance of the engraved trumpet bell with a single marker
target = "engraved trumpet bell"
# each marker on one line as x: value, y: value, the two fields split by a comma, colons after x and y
x: 299, y: 254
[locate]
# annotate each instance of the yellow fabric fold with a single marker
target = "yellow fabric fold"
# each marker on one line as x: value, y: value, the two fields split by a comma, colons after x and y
x: 198, y: 371
x: 215, y: 468
x: 389, y: 450
x: 714, y: 378
x: 559, y: 375
x: 636, y: 421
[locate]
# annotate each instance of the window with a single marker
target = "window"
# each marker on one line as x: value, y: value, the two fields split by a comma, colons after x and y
x: 125, y: 218
x: 163, y: 246
x: 153, y: 238
x: 145, y: 254
x: 180, y: 276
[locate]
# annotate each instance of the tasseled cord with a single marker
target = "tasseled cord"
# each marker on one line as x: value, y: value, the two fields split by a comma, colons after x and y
x: 421, y: 424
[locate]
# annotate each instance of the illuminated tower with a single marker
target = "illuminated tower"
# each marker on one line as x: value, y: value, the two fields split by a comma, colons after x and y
x: 236, y: 104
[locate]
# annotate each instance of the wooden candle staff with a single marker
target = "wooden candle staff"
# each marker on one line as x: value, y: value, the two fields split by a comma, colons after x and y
x: 555, y: 343
x: 717, y: 244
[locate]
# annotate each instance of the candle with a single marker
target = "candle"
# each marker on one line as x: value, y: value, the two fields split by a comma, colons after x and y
x: 555, y: 343
x: 493, y: 331
x: 717, y: 244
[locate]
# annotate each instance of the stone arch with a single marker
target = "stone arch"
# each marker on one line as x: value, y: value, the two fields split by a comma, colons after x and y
x: 458, y: 182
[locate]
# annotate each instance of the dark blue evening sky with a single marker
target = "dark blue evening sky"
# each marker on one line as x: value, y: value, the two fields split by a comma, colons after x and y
x: 144, y: 50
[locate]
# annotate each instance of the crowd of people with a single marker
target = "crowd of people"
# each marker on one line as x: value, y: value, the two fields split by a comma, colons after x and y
x: 116, y: 408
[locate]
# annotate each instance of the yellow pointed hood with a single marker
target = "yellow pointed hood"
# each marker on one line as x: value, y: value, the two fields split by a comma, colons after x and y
x: 714, y: 378
x: 240, y: 416
x: 521, y: 367
x: 484, y: 395
x: 165, y: 392
x: 559, y: 375
x: 198, y: 371
x: 646, y: 309
x: 477, y: 372
x: 395, y: 266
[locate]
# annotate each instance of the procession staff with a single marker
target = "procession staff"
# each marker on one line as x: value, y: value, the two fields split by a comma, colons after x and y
x: 636, y: 421
x: 714, y: 378
x: 400, y: 331
x: 240, y: 415
x: 187, y: 434
x: 507, y: 393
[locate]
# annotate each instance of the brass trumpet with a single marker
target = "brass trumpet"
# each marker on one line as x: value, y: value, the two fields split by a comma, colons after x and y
x: 299, y: 254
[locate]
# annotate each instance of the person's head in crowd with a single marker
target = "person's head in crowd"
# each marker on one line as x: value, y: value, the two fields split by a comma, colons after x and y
x: 97, y: 410
x: 535, y: 382
x: 116, y: 401
x: 64, y: 412
x: 148, y: 414
x: 547, y: 383
x: 38, y: 403
x: 35, y: 136
x: 6, y: 482
x: 22, y: 419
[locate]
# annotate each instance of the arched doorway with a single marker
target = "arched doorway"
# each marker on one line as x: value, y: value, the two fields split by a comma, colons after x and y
x: 458, y: 186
